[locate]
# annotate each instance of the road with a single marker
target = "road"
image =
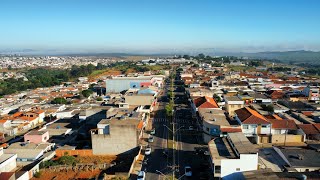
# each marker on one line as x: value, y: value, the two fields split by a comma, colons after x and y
x: 160, y: 166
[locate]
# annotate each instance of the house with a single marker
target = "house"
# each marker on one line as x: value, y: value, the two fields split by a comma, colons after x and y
x: 310, y: 131
x: 203, y: 102
x: 233, y: 103
x: 213, y: 121
x: 28, y: 152
x: 36, y: 136
x: 275, y: 94
x: 285, y: 131
x: 253, y: 125
x: 299, y: 159
x: 261, y: 98
x: 7, y: 161
x: 312, y: 93
x: 232, y: 155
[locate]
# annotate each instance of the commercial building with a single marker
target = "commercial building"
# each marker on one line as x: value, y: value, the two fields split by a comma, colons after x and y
x: 118, y: 84
x: 120, y: 133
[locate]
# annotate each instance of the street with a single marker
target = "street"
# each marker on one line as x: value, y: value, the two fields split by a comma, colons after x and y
x: 160, y: 165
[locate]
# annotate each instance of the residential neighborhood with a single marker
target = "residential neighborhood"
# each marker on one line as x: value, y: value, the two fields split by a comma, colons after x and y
x: 213, y: 121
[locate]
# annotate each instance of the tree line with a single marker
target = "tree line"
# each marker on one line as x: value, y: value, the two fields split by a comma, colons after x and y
x: 43, y: 77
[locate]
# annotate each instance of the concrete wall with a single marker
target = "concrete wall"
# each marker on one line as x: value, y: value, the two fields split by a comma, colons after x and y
x: 247, y: 162
x: 230, y: 108
x: 289, y: 138
x: 24, y: 176
x: 122, y: 138
x: 37, y: 138
x: 139, y: 100
x: 9, y: 164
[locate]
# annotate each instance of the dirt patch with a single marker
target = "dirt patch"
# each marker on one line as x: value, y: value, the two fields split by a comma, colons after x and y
x: 96, y: 159
x: 48, y: 174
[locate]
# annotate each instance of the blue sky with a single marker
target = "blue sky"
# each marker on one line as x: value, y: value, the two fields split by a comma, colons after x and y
x: 155, y: 25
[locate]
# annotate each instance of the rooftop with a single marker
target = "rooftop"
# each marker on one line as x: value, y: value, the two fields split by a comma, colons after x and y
x: 301, y: 157
x: 232, y: 98
x: 214, y: 116
x: 36, y: 132
x: 241, y: 143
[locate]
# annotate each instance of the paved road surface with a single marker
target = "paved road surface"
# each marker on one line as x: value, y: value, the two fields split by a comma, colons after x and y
x: 186, y: 141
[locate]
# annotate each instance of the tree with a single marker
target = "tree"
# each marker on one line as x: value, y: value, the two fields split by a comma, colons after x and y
x: 169, y: 109
x: 186, y: 57
x: 86, y: 93
x: 59, y: 100
x: 67, y: 160
x: 268, y: 108
x: 216, y: 98
x: 9, y: 67
x: 201, y: 56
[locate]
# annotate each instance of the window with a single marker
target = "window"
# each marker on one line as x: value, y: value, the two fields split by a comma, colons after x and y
x: 207, y: 129
x: 238, y: 169
x: 245, y: 126
x: 217, y: 169
x: 264, y: 126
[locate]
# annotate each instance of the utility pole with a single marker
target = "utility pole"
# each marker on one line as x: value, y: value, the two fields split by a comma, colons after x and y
x: 173, y: 130
x: 285, y: 135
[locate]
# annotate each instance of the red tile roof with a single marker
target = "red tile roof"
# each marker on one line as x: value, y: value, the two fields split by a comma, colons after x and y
x: 230, y: 129
x: 308, y: 128
x: 317, y: 126
x: 283, y: 124
x: 250, y: 116
x: 205, y: 102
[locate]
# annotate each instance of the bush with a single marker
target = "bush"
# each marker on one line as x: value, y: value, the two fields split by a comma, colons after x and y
x: 67, y: 160
x: 99, y: 99
x: 37, y: 174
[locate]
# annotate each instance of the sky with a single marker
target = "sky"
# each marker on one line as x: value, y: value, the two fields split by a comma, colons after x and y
x: 160, y: 25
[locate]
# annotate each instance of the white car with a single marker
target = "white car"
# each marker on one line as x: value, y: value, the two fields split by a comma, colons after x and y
x: 147, y: 151
x: 141, y: 175
x: 153, y: 132
x: 150, y: 139
x: 187, y: 171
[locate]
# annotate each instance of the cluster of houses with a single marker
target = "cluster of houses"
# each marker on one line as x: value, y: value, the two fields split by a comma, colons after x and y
x: 42, y: 131
x: 240, y: 113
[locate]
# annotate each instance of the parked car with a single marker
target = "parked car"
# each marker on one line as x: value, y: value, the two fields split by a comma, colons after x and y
x: 150, y: 139
x: 191, y: 128
x: 188, y: 171
x: 141, y: 175
x: 147, y: 151
x: 153, y: 132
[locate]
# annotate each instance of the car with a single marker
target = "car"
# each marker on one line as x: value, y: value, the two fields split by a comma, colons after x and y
x: 190, y: 128
x: 150, y: 139
x: 153, y: 132
x: 141, y: 175
x: 187, y: 171
x: 147, y: 151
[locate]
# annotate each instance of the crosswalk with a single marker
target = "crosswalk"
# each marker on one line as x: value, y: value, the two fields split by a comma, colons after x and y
x: 157, y: 120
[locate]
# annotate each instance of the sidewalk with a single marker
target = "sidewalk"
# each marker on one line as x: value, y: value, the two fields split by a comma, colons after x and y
x: 137, y: 167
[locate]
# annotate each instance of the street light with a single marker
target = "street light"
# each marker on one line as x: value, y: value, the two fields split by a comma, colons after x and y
x: 161, y: 173
x: 171, y: 130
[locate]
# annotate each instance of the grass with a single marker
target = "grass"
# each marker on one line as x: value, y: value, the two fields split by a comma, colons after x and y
x: 97, y: 72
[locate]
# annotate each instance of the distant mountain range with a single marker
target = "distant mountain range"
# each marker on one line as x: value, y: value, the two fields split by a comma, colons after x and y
x: 311, y: 57
x: 300, y: 56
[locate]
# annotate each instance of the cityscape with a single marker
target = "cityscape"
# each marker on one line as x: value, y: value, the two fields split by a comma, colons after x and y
x: 159, y: 90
